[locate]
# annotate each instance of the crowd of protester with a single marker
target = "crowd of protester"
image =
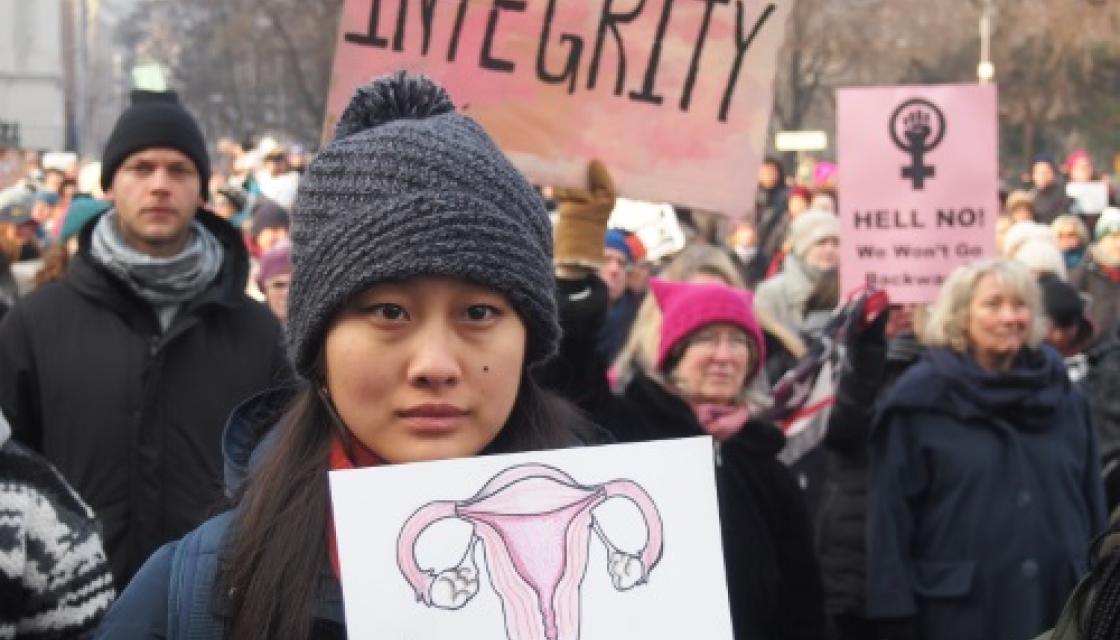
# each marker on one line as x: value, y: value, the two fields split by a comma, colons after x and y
x: 184, y: 333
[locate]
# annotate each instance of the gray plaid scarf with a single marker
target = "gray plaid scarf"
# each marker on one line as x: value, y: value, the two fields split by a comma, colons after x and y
x: 166, y: 283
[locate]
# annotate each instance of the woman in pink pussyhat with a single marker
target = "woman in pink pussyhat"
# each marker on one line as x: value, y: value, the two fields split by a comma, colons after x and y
x: 710, y: 350
x: 711, y: 347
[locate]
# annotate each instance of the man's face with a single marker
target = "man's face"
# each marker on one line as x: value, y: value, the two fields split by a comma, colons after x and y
x: 613, y: 272
x: 156, y: 194
x: 1042, y: 175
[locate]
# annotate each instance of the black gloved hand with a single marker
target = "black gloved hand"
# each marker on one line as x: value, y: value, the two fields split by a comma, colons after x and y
x: 583, y: 304
x: 865, y: 338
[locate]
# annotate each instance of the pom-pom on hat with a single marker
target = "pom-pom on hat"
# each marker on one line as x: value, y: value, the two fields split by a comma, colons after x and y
x: 686, y: 308
x: 411, y: 187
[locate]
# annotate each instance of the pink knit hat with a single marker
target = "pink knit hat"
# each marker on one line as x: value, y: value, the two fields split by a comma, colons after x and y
x: 688, y: 307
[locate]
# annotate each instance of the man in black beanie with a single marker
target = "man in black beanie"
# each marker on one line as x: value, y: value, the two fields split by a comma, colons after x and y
x: 123, y: 373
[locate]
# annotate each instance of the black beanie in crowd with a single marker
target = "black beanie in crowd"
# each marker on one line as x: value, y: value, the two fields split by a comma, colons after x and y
x: 411, y: 187
x: 155, y: 119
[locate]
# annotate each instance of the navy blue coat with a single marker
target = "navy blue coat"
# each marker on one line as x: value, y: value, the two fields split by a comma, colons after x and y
x: 985, y: 493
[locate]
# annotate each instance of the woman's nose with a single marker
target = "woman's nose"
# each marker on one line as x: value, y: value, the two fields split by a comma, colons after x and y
x: 434, y: 360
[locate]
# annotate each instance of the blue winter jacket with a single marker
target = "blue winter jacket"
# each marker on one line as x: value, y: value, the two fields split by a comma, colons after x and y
x: 174, y: 596
x: 985, y: 494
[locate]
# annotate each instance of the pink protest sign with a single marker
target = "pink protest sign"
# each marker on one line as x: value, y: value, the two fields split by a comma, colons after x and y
x: 919, y: 185
x: 673, y: 96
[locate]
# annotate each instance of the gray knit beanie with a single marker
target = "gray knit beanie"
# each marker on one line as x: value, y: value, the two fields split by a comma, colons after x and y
x: 411, y: 187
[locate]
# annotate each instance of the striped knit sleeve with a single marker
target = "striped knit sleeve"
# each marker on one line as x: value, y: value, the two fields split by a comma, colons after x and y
x: 53, y: 569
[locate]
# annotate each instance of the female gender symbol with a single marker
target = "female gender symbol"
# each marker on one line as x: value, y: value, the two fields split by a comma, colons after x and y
x: 917, y: 133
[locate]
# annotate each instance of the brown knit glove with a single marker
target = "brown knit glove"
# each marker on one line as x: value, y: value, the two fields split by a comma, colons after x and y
x: 581, y: 219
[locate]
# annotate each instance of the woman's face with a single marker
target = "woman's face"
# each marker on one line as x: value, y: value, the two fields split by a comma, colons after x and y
x: 998, y: 321
x: 1066, y: 237
x: 425, y: 369
x: 824, y: 255
x: 1082, y: 170
x: 714, y: 365
x: 1110, y: 245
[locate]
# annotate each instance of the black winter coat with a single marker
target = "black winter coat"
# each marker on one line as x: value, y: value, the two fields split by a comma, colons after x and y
x: 1051, y: 202
x: 773, y: 578
x: 1099, y: 386
x: 1104, y: 294
x: 842, y: 537
x: 130, y: 415
x: 141, y: 612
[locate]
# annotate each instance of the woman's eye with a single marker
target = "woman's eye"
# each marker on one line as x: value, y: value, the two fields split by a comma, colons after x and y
x: 387, y: 311
x: 481, y: 313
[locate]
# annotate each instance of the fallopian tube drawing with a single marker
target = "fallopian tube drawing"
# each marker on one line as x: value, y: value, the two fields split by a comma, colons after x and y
x: 535, y: 524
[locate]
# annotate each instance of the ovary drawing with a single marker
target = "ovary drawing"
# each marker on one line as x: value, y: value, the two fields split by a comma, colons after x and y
x: 535, y: 524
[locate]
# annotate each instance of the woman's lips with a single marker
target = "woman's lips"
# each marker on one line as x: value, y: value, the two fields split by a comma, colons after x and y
x: 433, y: 418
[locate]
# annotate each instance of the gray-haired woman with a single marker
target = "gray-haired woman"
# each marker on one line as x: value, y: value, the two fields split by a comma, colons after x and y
x: 985, y: 482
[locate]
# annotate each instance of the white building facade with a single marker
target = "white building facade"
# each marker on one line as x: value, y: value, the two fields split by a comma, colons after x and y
x: 32, y: 74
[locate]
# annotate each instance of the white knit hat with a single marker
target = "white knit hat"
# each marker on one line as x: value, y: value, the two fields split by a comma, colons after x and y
x: 1041, y: 256
x: 811, y: 227
x: 1025, y: 231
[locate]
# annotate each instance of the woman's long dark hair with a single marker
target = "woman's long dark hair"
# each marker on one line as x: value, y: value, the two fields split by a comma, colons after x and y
x: 277, y: 549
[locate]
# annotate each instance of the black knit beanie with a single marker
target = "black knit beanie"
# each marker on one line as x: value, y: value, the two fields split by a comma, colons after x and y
x: 410, y: 187
x: 155, y: 119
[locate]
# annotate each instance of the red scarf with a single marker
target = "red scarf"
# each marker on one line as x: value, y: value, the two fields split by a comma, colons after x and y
x: 358, y: 457
x: 1113, y: 273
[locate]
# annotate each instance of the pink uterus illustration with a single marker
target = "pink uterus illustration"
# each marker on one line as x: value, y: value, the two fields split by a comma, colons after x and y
x: 535, y: 524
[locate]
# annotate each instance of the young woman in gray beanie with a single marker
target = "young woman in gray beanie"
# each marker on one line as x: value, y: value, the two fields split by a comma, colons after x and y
x: 422, y: 294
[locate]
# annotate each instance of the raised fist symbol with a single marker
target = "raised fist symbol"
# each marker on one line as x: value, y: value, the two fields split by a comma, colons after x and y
x: 917, y: 128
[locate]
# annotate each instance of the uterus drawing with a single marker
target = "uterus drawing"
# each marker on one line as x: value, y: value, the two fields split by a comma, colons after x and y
x: 534, y: 523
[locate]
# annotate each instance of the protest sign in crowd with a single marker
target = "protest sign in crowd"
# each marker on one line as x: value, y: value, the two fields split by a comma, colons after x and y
x: 219, y: 359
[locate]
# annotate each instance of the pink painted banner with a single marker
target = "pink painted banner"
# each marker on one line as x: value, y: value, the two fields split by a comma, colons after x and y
x: 919, y: 185
x: 673, y: 95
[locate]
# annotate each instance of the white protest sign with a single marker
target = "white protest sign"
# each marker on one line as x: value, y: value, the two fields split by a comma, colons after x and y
x: 674, y: 97
x: 919, y: 185
x: 594, y: 543
x: 655, y: 224
x: 1091, y: 197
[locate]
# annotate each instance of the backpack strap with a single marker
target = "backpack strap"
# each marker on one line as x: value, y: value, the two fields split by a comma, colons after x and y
x: 194, y: 572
